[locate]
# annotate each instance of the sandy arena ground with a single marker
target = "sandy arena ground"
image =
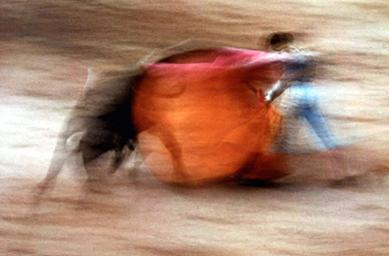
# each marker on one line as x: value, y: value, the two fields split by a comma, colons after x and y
x: 45, y: 50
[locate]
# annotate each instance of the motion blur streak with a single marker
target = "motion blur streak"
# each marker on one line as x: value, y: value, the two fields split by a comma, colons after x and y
x: 46, y: 48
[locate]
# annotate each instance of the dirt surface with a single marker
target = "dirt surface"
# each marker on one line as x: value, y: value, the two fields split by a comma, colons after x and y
x: 45, y: 50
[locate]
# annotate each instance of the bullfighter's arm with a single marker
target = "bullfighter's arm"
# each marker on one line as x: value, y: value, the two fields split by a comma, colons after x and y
x: 277, y: 89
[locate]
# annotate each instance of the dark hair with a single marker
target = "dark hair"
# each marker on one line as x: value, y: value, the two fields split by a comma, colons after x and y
x: 279, y: 38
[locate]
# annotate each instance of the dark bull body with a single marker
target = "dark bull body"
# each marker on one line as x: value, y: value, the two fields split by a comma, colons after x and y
x: 100, y: 122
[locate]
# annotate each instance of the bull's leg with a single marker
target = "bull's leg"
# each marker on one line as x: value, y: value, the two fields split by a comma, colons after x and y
x: 65, y: 148
x: 90, y: 155
x: 171, y: 143
x: 104, y: 145
x: 159, y: 139
x: 59, y: 158
x: 117, y: 160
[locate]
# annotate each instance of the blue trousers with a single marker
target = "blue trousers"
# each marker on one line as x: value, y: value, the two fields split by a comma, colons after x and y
x: 305, y: 107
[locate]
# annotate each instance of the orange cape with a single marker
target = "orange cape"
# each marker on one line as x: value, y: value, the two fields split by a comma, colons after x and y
x: 202, y: 116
